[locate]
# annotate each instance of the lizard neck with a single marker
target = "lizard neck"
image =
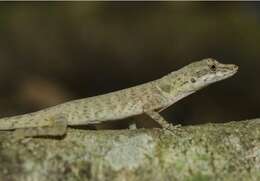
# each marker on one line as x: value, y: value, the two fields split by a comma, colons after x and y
x: 171, y: 87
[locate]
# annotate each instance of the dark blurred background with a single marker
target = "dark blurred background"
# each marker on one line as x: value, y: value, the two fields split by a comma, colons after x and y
x: 55, y: 52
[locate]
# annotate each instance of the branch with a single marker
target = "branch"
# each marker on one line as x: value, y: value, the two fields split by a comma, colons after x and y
x: 229, y: 151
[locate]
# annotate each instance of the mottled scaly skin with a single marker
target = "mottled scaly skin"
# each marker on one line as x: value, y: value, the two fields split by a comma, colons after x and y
x: 147, y: 98
x: 112, y: 106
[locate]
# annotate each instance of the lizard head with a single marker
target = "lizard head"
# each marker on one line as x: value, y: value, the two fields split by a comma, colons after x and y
x: 206, y: 72
x: 197, y: 75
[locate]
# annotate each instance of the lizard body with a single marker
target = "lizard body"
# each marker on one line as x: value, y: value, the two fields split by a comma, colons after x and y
x: 148, y: 98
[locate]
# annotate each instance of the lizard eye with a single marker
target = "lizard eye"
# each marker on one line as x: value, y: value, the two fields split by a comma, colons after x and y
x: 213, y: 67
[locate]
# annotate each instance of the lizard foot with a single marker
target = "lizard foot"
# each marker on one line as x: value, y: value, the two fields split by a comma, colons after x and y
x: 171, y: 128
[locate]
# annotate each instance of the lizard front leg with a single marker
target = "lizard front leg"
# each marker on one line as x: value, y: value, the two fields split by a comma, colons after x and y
x: 58, y: 127
x: 159, y: 119
x: 150, y: 109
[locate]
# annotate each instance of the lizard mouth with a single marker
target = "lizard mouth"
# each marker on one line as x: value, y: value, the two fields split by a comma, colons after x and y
x: 229, y: 69
x: 233, y: 69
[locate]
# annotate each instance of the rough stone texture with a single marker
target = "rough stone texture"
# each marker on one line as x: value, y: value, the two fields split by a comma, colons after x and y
x: 228, y: 151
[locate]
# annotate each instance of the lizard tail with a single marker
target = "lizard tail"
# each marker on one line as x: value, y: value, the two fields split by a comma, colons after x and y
x: 10, y: 123
x: 21, y: 121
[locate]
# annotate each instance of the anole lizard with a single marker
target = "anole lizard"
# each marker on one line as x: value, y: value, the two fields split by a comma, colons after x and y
x: 148, y: 98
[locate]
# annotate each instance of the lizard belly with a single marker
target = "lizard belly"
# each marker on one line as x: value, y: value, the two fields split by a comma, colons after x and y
x: 104, y: 109
x: 115, y: 105
x: 116, y: 114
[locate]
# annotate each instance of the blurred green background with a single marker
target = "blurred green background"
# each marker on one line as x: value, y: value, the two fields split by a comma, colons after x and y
x: 54, y: 52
